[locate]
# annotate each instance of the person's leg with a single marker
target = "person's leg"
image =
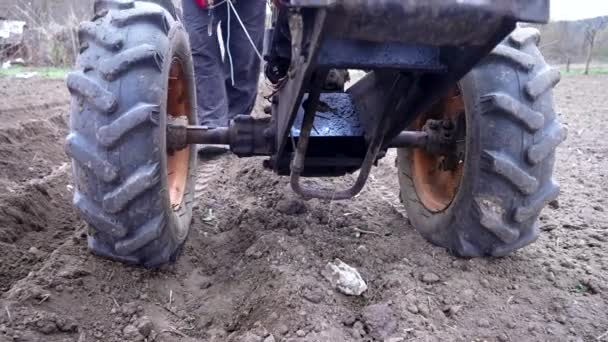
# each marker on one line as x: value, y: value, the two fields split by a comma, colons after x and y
x: 246, y: 63
x: 212, y: 100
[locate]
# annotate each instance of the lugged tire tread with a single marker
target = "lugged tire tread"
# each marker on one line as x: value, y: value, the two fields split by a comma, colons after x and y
x: 492, y: 218
x: 100, y: 5
x: 139, y: 182
x: 87, y: 89
x: 145, y: 234
x: 140, y: 114
x: 112, y: 67
x: 543, y: 82
x: 78, y: 149
x: 522, y: 60
x: 88, y: 31
x: 93, y: 214
x: 524, y: 36
x: 537, y: 202
x: 508, y: 105
x: 554, y: 135
x: 507, y: 169
x: 133, y: 15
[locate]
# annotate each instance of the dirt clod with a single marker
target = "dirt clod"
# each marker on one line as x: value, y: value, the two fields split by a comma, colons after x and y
x: 380, y: 321
x: 291, y: 206
x: 430, y: 278
x: 144, y: 326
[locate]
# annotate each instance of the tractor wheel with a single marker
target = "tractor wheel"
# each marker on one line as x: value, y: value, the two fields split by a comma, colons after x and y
x: 134, y: 73
x: 487, y: 203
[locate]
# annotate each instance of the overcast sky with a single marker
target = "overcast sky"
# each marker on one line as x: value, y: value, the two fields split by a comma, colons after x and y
x: 578, y: 9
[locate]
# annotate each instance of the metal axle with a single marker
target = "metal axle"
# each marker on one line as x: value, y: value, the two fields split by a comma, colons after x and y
x: 179, y: 136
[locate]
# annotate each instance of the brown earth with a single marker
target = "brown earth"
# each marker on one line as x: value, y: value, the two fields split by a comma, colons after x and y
x: 251, y: 268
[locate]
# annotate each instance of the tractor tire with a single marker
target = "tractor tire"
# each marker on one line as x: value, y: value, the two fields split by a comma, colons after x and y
x: 511, y: 137
x: 133, y: 73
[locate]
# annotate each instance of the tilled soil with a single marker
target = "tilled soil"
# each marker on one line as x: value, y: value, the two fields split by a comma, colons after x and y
x: 251, y: 270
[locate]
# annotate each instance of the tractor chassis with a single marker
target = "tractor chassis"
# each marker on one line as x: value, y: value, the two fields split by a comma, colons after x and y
x: 414, y: 53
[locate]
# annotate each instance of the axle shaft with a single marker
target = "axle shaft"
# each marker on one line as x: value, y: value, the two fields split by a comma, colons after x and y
x: 178, y: 136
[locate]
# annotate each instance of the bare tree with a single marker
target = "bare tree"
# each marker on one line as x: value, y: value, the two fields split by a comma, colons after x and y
x: 563, y: 46
x: 594, y: 26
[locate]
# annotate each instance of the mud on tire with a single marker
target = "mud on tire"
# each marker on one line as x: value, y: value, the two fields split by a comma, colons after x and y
x: 511, y: 137
x: 129, y: 53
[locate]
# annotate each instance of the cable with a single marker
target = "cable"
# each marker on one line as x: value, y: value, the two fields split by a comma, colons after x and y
x: 245, y: 29
x: 228, y: 45
x: 216, y: 5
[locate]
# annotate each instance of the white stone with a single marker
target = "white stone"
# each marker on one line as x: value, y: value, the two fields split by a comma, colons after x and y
x: 344, y: 278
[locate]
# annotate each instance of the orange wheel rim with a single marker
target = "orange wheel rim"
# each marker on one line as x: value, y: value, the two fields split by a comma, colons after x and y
x: 436, y: 187
x: 178, y: 105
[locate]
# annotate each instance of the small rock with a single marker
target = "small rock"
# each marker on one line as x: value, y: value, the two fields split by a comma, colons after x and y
x: 452, y: 310
x: 35, y: 252
x: 554, y: 204
x: 250, y: 337
x: 66, y: 325
x: 46, y: 326
x: 362, y: 249
x: 254, y: 251
x: 412, y: 308
x: 129, y: 309
x: 205, y: 284
x: 485, y: 283
x: 345, y: 278
x: 313, y: 295
x: 548, y: 227
x: 561, y: 319
x: 483, y: 323
x: 269, y: 339
x: 205, y: 321
x: 380, y: 320
x: 424, y: 310
x: 358, y: 330
x: 349, y: 320
x: 71, y: 271
x: 130, y: 332
x: 430, y: 278
x: 283, y: 329
x: 568, y: 264
x: 300, y: 333
x: 144, y: 326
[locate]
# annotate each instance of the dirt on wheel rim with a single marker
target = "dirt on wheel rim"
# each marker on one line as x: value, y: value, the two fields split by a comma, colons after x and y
x: 251, y: 269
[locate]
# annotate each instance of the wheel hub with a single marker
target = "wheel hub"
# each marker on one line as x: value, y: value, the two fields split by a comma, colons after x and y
x: 178, y: 107
x: 437, y: 169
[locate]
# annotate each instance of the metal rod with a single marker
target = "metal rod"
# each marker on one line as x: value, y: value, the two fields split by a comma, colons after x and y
x: 221, y: 136
x: 409, y: 139
x: 205, y: 135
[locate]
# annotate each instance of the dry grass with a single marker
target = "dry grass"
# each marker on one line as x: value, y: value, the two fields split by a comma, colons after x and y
x: 47, y: 42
